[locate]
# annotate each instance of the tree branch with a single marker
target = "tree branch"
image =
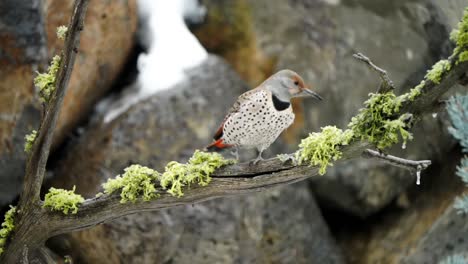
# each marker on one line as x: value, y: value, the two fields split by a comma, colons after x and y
x: 37, y: 161
x: 386, y: 85
x: 411, y: 165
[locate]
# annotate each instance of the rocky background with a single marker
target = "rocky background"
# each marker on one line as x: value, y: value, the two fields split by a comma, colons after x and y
x: 360, y: 212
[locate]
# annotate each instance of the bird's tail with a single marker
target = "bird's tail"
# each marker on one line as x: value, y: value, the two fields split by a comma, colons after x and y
x: 217, y: 145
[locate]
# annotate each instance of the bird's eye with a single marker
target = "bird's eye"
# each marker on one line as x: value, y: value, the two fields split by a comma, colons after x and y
x: 296, y: 83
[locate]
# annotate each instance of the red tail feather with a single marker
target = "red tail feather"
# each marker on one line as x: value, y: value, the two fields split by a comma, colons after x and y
x: 218, y: 145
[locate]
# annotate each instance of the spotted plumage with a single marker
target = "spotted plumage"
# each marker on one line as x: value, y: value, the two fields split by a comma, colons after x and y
x: 259, y: 116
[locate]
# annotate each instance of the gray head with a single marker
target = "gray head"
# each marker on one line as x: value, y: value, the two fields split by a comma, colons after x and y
x: 287, y: 84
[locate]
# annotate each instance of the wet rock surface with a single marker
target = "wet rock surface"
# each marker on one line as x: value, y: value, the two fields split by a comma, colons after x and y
x: 447, y: 237
x: 280, y: 226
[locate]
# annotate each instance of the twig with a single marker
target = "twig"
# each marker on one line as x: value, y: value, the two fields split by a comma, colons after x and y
x: 386, y: 85
x: 411, y: 165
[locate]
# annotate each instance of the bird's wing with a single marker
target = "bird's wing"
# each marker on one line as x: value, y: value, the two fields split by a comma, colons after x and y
x: 241, y: 100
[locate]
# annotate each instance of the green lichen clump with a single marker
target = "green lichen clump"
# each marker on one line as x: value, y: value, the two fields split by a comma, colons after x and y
x: 140, y: 181
x: 438, y: 69
x: 379, y: 123
x: 197, y: 170
x: 29, y: 141
x: 63, y: 200
x: 460, y: 37
x: 321, y: 149
x: 413, y: 93
x: 7, y: 227
x: 136, y: 181
x: 46, y: 81
x: 62, y: 32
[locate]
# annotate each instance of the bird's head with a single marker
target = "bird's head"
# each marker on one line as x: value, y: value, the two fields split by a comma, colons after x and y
x: 287, y: 84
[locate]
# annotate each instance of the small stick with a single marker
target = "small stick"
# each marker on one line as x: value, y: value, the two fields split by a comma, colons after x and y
x: 387, y: 84
x: 411, y: 165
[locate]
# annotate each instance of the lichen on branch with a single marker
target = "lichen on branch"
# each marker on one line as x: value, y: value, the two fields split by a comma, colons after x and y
x: 198, y: 170
x: 379, y: 121
x: 29, y: 141
x: 437, y: 70
x: 137, y: 181
x: 460, y: 37
x: 62, y: 32
x: 63, y: 200
x: 7, y: 227
x: 322, y: 148
x: 46, y: 81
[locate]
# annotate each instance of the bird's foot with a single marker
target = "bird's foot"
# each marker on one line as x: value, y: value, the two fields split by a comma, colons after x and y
x: 256, y: 161
x: 235, y: 153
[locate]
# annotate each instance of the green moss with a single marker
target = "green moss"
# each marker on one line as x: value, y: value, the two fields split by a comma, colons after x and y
x: 438, y: 69
x: 140, y: 181
x: 460, y: 37
x: 46, y: 81
x: 321, y: 149
x: 7, y: 227
x: 415, y: 92
x: 136, y: 181
x: 29, y: 141
x: 463, y: 56
x: 197, y: 170
x: 63, y: 200
x: 378, y: 122
x: 62, y: 32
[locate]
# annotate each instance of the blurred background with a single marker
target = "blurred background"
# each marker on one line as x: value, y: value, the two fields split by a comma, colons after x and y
x: 153, y: 79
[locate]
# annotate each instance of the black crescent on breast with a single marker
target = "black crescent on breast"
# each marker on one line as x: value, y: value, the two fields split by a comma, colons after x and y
x: 278, y: 104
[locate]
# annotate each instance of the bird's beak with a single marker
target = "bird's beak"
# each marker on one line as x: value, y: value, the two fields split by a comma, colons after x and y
x: 308, y: 92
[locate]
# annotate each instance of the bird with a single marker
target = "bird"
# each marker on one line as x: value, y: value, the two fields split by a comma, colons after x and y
x: 258, y: 116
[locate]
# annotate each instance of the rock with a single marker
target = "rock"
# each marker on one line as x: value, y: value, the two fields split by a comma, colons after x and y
x: 28, y: 40
x: 405, y: 229
x: 282, y: 226
x: 22, y: 51
x: 105, y: 46
x: 317, y: 39
x: 448, y: 236
x: 358, y: 193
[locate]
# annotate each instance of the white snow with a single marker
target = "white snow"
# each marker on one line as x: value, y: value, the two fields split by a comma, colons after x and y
x: 171, y: 48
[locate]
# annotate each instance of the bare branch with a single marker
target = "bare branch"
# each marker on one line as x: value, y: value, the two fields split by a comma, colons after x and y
x: 387, y: 84
x: 411, y: 165
x: 36, y: 164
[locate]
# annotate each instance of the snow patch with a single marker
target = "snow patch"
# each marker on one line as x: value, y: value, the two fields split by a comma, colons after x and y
x: 171, y: 48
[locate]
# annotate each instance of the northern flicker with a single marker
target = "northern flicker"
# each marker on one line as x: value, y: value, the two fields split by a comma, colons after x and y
x: 259, y: 116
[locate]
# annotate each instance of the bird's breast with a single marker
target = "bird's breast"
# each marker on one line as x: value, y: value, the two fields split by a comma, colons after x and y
x: 257, y: 122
